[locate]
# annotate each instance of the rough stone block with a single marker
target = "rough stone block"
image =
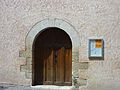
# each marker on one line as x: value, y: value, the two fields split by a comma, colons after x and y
x: 22, y: 53
x: 28, y: 75
x: 82, y: 82
x: 83, y: 73
x: 83, y: 65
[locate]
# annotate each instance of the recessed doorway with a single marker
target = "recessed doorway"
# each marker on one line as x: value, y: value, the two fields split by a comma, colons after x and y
x: 52, y: 58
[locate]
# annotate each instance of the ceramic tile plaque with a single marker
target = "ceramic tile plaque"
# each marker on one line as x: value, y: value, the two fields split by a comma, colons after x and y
x: 96, y: 48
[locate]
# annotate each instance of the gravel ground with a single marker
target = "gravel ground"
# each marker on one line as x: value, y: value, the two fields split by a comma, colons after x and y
x: 14, y: 87
x: 42, y: 87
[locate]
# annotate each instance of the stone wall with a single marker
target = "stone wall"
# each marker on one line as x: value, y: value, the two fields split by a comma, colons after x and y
x: 91, y: 19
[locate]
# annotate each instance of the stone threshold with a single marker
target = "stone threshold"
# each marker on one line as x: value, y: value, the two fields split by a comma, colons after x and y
x: 53, y: 87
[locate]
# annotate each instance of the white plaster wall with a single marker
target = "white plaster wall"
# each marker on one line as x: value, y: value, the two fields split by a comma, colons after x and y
x: 91, y: 18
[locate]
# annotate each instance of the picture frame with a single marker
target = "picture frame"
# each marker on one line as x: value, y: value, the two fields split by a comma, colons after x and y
x: 96, y: 48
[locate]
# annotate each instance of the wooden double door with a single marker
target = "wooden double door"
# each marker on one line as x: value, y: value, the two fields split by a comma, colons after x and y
x: 53, y: 58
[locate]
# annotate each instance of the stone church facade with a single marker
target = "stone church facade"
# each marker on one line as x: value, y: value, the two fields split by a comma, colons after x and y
x: 22, y: 23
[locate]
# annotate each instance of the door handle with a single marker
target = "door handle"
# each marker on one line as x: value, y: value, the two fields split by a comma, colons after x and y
x: 55, y: 58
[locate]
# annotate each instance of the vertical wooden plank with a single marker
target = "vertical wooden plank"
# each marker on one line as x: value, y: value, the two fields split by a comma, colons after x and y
x: 62, y: 64
x: 59, y: 67
x: 48, y: 71
x: 68, y: 66
x: 38, y: 64
x: 51, y: 68
x: 44, y: 67
x: 44, y: 64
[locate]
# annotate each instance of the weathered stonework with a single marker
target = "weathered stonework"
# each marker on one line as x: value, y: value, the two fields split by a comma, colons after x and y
x: 27, y: 68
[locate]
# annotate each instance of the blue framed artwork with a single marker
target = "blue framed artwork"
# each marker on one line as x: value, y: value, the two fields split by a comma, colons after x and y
x: 96, y: 48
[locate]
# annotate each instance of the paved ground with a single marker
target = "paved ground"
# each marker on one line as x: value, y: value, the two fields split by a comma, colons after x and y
x: 42, y: 87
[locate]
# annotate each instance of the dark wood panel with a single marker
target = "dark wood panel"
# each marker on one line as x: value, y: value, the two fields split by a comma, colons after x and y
x: 68, y: 66
x: 48, y: 66
x: 50, y: 44
x: 59, y: 67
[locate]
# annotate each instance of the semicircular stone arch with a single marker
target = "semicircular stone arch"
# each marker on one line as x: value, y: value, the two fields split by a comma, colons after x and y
x: 37, y: 28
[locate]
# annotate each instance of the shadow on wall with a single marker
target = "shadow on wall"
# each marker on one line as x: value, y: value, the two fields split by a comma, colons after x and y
x: 96, y: 58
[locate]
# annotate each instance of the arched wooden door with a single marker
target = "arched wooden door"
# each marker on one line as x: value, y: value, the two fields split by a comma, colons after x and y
x: 52, y: 62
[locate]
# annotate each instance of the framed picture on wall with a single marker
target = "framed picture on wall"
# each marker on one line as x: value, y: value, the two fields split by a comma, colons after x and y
x: 96, y: 48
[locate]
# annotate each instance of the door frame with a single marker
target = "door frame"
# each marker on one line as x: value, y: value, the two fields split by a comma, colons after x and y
x: 38, y: 28
x: 39, y: 52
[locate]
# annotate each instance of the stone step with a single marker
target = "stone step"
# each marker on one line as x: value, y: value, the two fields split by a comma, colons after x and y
x: 38, y: 87
x: 52, y: 87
